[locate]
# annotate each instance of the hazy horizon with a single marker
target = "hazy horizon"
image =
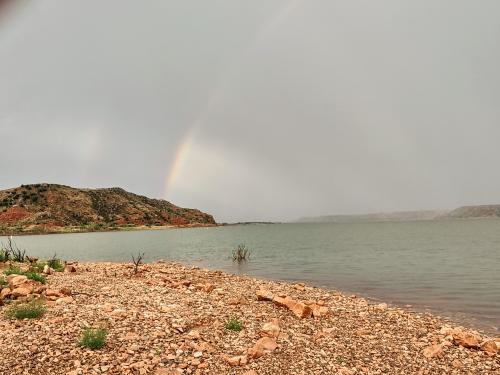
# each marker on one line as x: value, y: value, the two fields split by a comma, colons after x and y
x: 256, y: 111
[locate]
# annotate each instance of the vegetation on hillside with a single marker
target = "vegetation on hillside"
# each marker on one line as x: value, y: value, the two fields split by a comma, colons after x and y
x: 47, y: 208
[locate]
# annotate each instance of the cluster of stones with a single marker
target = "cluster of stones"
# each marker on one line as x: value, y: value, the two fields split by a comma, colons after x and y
x: 464, y: 338
x: 170, y: 319
x: 19, y: 287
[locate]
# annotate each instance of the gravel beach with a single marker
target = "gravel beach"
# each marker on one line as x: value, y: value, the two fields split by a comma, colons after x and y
x: 171, y: 319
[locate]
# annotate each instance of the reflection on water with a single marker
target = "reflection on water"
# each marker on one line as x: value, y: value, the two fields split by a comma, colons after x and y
x: 449, y: 266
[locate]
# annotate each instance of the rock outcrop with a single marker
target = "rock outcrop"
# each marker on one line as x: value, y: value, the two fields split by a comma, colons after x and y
x: 47, y: 208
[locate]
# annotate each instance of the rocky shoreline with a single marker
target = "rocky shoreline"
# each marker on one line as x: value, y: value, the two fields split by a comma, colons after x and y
x: 170, y: 319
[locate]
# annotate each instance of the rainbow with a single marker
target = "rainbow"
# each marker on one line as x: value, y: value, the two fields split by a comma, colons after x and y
x: 187, y: 143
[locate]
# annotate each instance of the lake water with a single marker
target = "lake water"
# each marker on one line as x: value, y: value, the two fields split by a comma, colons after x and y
x: 451, y: 267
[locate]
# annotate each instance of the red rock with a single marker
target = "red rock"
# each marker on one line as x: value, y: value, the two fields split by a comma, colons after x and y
x: 319, y: 311
x: 301, y: 310
x: 299, y: 286
x: 262, y: 346
x: 466, y: 339
x: 264, y: 295
x: 236, y: 360
x: 178, y: 284
x: 69, y: 269
x: 280, y: 301
x: 65, y: 291
x: 4, y: 293
x: 20, y: 292
x: 271, y: 329
x: 64, y: 300
x: 237, y: 301
x: 52, y: 293
x: 433, y: 351
x: 489, y: 347
x: 16, y: 280
x: 208, y: 287
x: 381, y: 306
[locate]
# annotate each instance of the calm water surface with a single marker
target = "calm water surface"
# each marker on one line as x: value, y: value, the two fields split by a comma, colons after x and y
x: 452, y: 267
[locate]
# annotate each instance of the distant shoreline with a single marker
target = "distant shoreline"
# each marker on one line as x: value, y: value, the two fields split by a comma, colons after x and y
x: 74, y: 230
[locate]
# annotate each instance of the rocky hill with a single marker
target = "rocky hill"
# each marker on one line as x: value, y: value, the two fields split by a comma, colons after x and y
x: 48, y: 208
x: 383, y: 216
x: 490, y: 210
x: 465, y: 212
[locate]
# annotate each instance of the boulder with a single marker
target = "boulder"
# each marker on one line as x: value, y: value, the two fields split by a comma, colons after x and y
x: 300, y: 309
x: 20, y: 292
x: 318, y: 310
x: 466, y: 339
x: 4, y: 293
x: 262, y: 346
x: 489, y: 347
x: 16, y: 280
x: 47, y: 270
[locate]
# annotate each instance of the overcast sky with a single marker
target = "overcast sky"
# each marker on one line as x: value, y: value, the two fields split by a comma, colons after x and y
x: 256, y: 110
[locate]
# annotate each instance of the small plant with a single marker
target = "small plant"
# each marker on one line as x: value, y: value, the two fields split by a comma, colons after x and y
x: 12, y: 270
x: 137, y: 262
x: 11, y: 251
x: 29, y: 274
x: 56, y: 264
x: 37, y: 267
x: 30, y: 310
x: 241, y: 253
x: 35, y: 276
x: 340, y: 359
x: 234, y: 324
x: 4, y: 256
x: 93, y: 338
x: 3, y: 283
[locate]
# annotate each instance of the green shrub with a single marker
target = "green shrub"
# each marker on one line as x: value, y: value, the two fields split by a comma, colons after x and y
x: 38, y: 266
x: 35, y: 276
x: 93, y: 338
x: 29, y: 274
x: 13, y: 270
x: 4, y: 255
x: 56, y: 264
x: 234, y: 324
x: 29, y: 310
x: 3, y: 283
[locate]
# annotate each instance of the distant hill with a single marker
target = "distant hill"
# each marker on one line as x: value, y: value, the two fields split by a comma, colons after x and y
x: 48, y: 208
x: 466, y: 212
x: 485, y: 211
x: 383, y: 216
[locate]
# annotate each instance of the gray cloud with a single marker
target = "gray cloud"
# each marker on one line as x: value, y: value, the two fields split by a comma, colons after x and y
x: 284, y: 108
